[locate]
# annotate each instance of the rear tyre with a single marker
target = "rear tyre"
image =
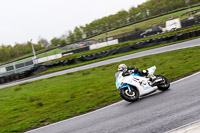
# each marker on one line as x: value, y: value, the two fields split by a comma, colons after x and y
x: 129, y: 96
x: 164, y: 84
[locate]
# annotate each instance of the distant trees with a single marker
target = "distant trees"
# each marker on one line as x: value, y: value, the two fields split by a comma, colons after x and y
x: 146, y: 10
x: 78, y: 33
x: 55, y: 41
x: 62, y: 43
x: 5, y: 53
x: 71, y: 37
x: 8, y: 52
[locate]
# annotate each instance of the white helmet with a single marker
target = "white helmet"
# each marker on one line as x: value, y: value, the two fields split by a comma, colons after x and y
x: 122, y: 67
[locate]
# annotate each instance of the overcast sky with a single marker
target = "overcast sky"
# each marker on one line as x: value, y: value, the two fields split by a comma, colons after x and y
x: 22, y: 20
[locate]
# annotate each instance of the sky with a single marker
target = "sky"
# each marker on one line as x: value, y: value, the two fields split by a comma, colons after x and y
x: 23, y: 20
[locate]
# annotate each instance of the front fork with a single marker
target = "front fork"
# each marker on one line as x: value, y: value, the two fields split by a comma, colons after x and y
x: 129, y: 89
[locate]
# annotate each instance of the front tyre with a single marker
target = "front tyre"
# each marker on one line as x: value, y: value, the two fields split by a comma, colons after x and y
x: 129, y: 96
x: 164, y: 84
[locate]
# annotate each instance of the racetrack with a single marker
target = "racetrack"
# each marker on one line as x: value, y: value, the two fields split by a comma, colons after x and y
x: 192, y: 43
x: 157, y: 113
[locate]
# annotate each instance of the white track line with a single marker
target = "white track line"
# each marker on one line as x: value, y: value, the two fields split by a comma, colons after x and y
x: 186, y: 77
x: 185, y: 126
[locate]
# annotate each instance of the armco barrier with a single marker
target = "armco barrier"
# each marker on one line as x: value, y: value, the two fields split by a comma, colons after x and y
x: 48, y: 58
x: 2, y: 70
x: 103, y: 44
x: 2, y: 80
x: 83, y: 49
x: 18, y: 75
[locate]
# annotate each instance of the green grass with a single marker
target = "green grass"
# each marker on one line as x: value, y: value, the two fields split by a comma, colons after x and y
x: 35, y: 104
x: 52, y: 52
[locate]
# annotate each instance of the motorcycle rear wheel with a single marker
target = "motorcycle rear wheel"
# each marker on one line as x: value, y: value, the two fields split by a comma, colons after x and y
x: 164, y: 85
x: 129, y: 96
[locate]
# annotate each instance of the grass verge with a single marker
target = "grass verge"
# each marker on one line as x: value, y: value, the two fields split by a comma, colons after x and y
x: 35, y: 104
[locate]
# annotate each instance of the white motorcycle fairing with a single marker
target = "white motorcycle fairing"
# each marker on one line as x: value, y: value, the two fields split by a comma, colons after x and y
x: 142, y: 84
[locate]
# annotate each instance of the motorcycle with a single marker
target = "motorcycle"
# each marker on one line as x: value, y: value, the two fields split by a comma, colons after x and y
x: 134, y: 86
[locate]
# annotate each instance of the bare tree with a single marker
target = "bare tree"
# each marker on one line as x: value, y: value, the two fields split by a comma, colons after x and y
x: 43, y: 42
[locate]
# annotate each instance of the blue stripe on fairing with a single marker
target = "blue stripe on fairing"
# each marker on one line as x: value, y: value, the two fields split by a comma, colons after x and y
x: 125, y: 86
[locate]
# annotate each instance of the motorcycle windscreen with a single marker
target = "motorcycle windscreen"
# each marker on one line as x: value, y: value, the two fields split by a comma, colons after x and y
x: 152, y: 70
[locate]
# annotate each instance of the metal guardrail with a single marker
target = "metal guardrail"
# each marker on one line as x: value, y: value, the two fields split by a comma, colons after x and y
x: 16, y: 67
x: 24, y: 65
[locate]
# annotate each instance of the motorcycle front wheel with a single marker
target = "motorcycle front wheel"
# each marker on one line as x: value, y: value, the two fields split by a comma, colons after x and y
x: 129, y: 96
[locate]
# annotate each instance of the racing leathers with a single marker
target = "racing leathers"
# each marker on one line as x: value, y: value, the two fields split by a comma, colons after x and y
x: 131, y: 70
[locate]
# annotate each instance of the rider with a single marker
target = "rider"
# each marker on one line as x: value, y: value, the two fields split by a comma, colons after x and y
x: 126, y: 71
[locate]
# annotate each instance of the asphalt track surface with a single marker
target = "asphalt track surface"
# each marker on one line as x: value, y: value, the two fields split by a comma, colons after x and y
x: 191, y: 43
x: 156, y: 113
